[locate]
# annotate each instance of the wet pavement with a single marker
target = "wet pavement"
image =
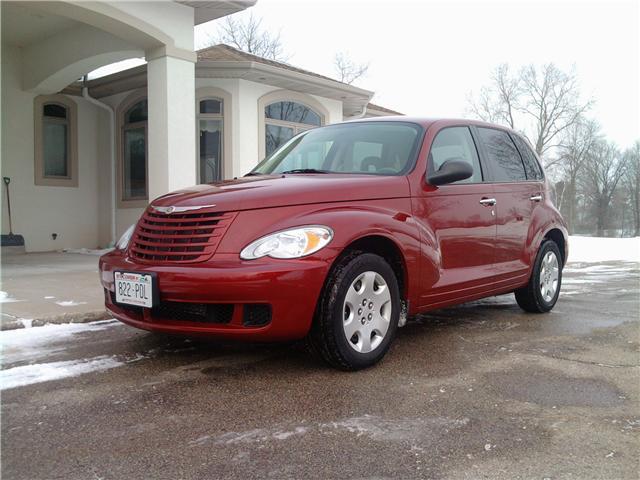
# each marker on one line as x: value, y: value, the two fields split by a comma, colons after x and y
x: 483, y: 390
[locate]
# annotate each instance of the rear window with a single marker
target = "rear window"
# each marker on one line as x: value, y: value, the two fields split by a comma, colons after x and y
x: 505, y: 160
x: 377, y: 148
x: 531, y: 165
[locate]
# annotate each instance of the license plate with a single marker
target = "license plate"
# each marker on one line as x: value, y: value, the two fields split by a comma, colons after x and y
x: 134, y: 288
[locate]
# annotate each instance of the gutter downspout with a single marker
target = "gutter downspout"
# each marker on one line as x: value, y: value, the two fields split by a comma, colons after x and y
x: 112, y: 138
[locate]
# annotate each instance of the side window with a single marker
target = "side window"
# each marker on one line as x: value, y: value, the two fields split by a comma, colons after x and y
x: 456, y: 143
x: 506, y: 163
x: 531, y: 165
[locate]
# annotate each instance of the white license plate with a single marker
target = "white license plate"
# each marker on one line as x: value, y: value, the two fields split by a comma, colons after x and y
x: 134, y: 288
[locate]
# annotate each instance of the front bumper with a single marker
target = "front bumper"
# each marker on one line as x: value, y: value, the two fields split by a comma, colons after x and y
x: 290, y: 289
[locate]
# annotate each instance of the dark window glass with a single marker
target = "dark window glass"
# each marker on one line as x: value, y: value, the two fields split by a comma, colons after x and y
x: 137, y: 113
x: 211, y: 106
x: 378, y: 148
x: 456, y: 143
x: 506, y: 163
x: 277, y: 136
x: 292, y: 112
x: 55, y: 148
x: 135, y: 163
x: 531, y: 165
x: 55, y: 110
x: 210, y: 150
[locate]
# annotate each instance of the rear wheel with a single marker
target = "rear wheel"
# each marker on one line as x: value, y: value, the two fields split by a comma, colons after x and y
x: 543, y: 289
x: 358, y: 312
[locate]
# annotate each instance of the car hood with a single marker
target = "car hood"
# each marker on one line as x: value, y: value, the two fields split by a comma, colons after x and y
x: 248, y: 193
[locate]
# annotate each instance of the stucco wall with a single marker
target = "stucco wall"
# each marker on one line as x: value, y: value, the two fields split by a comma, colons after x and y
x: 39, y: 211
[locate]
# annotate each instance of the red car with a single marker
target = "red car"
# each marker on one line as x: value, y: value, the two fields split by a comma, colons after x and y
x: 342, y: 234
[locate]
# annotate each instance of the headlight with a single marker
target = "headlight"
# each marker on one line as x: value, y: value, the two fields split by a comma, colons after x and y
x: 124, y: 239
x: 293, y: 243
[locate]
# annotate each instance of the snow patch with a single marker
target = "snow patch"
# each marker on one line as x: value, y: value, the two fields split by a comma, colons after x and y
x: 88, y: 251
x: 44, y: 372
x: 599, y: 249
x: 69, y: 303
x: 7, y: 298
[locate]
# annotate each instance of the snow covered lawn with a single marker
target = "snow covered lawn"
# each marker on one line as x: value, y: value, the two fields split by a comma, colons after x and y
x: 598, y: 249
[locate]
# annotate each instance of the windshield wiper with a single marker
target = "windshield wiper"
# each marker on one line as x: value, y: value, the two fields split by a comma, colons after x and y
x: 304, y: 170
x: 253, y: 174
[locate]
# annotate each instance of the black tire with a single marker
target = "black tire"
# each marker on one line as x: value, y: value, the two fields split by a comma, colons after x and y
x: 530, y: 297
x: 327, y: 336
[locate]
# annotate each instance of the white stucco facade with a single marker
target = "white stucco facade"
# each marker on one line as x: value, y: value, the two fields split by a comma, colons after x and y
x: 92, y: 211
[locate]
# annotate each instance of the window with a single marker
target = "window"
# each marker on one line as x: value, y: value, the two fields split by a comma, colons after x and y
x: 55, y: 141
x: 531, y: 165
x: 210, y: 134
x: 381, y: 148
x: 456, y: 143
x: 506, y: 164
x: 134, y: 152
x: 284, y: 120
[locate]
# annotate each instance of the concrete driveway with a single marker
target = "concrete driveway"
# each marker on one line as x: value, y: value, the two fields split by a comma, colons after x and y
x: 479, y: 391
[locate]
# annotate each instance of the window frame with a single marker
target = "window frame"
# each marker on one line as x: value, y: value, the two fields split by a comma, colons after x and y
x: 486, y: 158
x: 123, y: 109
x: 286, y: 96
x: 40, y: 179
x: 215, y: 93
x: 210, y: 116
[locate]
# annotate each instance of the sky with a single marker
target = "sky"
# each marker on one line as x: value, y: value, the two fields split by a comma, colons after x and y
x: 427, y: 56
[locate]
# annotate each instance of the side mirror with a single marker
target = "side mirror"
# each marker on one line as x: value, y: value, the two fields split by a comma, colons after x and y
x: 452, y: 170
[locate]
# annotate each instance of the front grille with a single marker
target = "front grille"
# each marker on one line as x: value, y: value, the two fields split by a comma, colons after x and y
x: 194, y: 312
x: 185, y: 237
x: 256, y: 315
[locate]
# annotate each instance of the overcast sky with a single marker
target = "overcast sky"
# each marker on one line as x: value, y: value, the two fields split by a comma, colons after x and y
x: 426, y: 56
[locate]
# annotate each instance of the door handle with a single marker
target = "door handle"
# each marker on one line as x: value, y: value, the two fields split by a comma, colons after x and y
x: 488, y: 202
x: 536, y: 198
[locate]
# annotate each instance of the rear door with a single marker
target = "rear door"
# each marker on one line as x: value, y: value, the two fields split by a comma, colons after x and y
x: 516, y: 198
x: 460, y: 227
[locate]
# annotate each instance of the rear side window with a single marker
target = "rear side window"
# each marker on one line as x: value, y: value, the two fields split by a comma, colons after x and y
x: 456, y: 143
x: 531, y: 165
x: 506, y: 163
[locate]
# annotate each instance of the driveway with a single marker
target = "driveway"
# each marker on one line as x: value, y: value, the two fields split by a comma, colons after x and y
x: 481, y: 390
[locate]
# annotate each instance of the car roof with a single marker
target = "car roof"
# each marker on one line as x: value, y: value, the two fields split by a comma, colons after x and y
x: 428, y: 121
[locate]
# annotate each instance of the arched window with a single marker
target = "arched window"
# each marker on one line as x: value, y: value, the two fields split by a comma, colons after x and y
x: 210, y: 139
x: 55, y: 142
x: 134, y: 151
x: 285, y: 119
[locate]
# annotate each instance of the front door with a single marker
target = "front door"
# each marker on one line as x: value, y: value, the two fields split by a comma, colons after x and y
x: 459, y: 225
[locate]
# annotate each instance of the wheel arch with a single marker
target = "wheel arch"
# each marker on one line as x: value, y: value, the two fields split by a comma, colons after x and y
x: 556, y: 235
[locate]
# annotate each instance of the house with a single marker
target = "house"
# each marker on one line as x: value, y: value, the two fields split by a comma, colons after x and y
x: 86, y: 156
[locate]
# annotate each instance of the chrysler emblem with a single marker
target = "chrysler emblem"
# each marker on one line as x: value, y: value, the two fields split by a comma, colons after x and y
x: 176, y: 209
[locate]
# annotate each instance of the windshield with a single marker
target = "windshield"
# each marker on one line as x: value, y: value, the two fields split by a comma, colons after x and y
x: 376, y: 148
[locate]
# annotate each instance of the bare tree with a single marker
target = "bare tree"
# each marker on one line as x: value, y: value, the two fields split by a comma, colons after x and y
x: 499, y: 102
x: 347, y: 70
x: 631, y: 183
x: 604, y: 170
x: 249, y: 36
x: 573, y: 155
x: 542, y: 103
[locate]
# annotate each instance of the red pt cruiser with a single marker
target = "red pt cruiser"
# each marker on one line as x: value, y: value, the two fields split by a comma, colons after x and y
x: 341, y: 234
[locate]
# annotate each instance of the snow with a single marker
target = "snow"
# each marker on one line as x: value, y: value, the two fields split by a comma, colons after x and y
x: 25, y: 344
x: 7, y: 298
x: 43, y: 372
x: 598, y: 249
x: 69, y: 303
x: 88, y: 251
x: 27, y: 348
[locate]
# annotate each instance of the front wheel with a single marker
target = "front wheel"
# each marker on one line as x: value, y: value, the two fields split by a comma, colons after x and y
x: 543, y: 289
x: 358, y: 312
